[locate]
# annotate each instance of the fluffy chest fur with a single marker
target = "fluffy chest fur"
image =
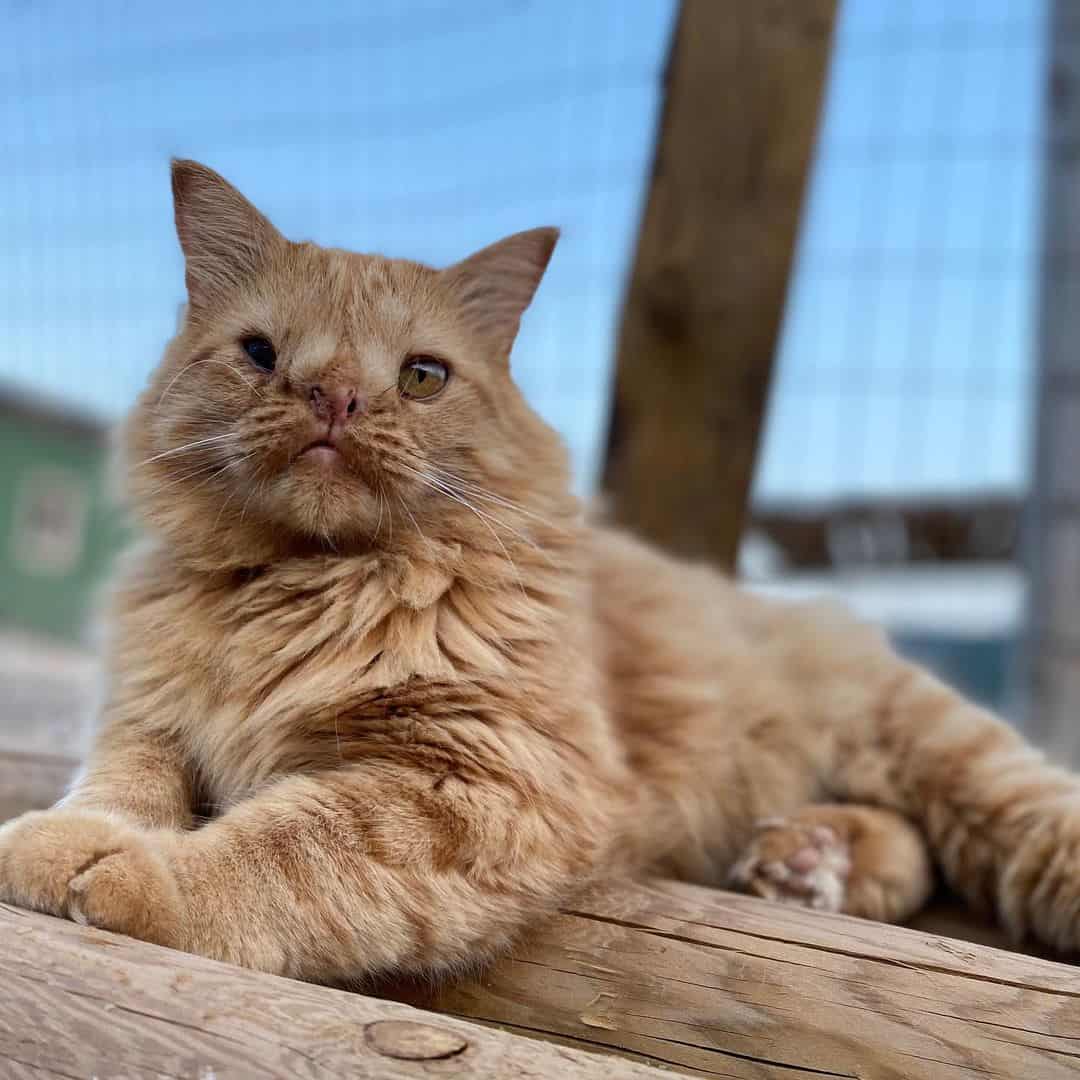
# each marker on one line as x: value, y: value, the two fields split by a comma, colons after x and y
x: 313, y: 663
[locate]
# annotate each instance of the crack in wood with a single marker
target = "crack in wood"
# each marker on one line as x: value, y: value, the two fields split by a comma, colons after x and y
x: 977, y: 976
x: 607, y: 1048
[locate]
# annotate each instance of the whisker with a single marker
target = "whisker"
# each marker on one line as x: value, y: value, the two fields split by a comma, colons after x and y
x: 197, y: 444
x: 480, y: 516
x: 378, y: 526
x: 208, y: 360
x: 221, y: 511
x: 451, y: 492
x: 214, y: 469
x: 255, y: 488
x: 414, y: 521
x: 489, y: 496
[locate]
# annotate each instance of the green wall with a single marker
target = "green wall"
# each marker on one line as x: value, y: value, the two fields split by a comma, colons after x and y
x: 58, y: 533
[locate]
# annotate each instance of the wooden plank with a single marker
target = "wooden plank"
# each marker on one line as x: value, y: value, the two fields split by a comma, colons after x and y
x: 706, y: 299
x: 732, y: 986
x: 78, y: 1002
x: 32, y: 781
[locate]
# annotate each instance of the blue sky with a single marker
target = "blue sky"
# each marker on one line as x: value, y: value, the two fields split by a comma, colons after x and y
x: 427, y: 128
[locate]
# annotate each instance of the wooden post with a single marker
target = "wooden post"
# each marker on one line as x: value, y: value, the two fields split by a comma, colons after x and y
x: 1050, y: 689
x: 705, y: 304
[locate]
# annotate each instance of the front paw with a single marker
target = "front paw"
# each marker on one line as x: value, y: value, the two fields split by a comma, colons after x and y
x: 92, y: 868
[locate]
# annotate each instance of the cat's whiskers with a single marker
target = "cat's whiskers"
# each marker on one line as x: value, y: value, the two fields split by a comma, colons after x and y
x: 457, y: 495
x: 487, y: 495
x: 188, y: 447
x: 378, y: 525
x: 190, y: 475
x: 214, y: 469
x: 480, y: 515
x: 404, y: 506
x: 253, y: 490
x: 217, y: 520
x: 208, y: 360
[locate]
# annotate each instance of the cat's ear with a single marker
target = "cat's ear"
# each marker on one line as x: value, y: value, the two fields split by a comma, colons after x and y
x: 495, y: 286
x: 223, y: 237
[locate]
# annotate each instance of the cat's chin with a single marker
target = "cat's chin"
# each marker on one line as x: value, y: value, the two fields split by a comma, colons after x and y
x: 319, y: 496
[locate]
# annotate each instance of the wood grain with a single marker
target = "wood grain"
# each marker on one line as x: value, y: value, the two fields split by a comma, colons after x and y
x: 706, y: 298
x: 731, y: 986
x: 79, y: 1002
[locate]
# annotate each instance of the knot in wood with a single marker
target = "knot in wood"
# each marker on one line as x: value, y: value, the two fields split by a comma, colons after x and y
x: 410, y: 1041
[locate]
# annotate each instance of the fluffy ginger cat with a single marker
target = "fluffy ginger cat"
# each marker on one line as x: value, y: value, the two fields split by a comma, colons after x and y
x: 378, y: 698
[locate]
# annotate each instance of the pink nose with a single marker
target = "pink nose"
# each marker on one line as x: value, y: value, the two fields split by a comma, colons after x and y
x: 334, y: 404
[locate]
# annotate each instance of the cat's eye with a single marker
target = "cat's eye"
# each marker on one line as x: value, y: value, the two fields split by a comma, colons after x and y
x: 422, y: 377
x: 260, y: 352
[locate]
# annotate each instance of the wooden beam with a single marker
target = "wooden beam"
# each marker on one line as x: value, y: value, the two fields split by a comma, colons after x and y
x: 78, y: 1002
x: 666, y: 974
x: 662, y: 973
x: 706, y: 299
x: 732, y: 986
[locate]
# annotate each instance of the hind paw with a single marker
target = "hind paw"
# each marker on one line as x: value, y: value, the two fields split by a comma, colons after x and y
x: 804, y: 865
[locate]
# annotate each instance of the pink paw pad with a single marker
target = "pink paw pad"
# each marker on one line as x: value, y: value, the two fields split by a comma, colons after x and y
x: 795, y: 864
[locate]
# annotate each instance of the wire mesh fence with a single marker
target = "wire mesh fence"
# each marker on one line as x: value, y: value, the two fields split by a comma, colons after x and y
x: 897, y: 452
x: 901, y: 415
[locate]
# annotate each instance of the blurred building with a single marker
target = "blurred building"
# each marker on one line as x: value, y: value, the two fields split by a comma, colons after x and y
x: 57, y: 533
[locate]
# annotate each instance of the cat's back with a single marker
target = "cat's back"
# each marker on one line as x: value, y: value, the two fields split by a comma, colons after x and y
x: 683, y: 645
x: 650, y: 605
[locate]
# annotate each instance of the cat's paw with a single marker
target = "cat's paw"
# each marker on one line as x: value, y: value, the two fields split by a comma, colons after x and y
x: 93, y: 868
x: 806, y: 865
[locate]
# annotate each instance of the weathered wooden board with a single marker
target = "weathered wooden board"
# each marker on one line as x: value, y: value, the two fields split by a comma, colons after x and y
x: 731, y: 986
x: 80, y: 1003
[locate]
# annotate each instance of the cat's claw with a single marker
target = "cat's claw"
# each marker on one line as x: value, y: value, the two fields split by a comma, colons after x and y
x: 792, y: 863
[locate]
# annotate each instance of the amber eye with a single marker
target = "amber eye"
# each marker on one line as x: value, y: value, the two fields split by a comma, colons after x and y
x: 260, y: 352
x: 422, y: 377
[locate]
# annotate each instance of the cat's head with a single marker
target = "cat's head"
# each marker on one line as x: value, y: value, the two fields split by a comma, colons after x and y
x: 320, y: 400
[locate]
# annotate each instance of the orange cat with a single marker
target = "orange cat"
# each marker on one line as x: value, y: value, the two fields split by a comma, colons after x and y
x: 422, y: 702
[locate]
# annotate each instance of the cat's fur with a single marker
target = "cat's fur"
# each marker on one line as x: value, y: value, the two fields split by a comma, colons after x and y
x: 425, y: 702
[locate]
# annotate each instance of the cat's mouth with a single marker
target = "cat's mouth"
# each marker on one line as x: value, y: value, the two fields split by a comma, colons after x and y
x: 322, y: 452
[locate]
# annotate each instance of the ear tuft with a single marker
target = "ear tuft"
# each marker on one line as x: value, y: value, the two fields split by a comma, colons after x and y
x: 224, y: 238
x: 496, y: 285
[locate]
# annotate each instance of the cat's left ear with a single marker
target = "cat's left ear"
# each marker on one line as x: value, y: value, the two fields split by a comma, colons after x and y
x: 496, y: 285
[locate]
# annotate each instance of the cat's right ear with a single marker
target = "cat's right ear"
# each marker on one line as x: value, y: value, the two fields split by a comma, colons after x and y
x: 224, y: 238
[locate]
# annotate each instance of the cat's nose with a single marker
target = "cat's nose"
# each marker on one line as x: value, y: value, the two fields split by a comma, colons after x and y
x: 335, y: 404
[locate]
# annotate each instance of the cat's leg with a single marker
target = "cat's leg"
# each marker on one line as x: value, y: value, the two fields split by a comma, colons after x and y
x: 1002, y: 823
x: 860, y: 860
x: 135, y: 773
x: 342, y: 875
x: 133, y: 781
